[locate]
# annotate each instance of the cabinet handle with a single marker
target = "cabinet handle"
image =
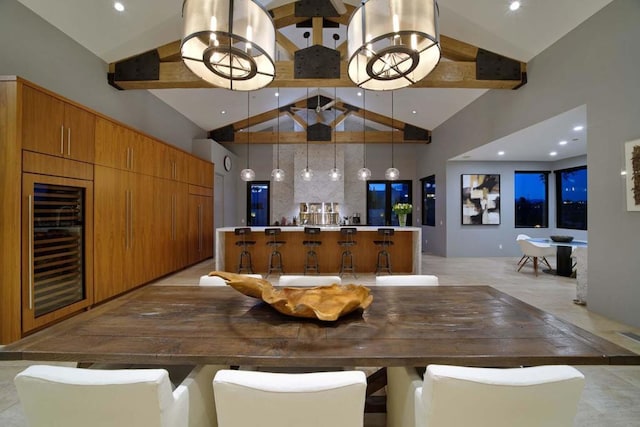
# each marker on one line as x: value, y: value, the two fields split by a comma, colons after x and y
x: 126, y: 218
x: 200, y: 228
x: 131, y: 218
x: 62, y: 139
x: 173, y: 217
x: 30, y: 252
x: 68, y: 141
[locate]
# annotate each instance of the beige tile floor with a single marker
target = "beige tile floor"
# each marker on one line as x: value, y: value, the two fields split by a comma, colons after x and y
x: 612, y: 394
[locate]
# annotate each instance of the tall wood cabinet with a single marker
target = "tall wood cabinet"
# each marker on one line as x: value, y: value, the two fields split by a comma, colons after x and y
x: 92, y: 208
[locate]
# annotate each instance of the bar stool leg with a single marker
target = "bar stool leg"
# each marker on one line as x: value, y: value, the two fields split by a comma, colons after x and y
x: 384, y: 262
x: 273, y: 265
x: 311, y: 262
x: 245, y: 262
x: 347, y: 263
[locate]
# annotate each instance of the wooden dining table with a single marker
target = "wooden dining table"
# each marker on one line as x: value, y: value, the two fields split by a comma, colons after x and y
x: 404, y: 326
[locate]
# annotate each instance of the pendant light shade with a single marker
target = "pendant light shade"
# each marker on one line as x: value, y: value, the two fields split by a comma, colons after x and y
x: 392, y: 173
x: 392, y: 43
x: 248, y: 174
x: 364, y: 173
x: 230, y: 44
x: 278, y: 174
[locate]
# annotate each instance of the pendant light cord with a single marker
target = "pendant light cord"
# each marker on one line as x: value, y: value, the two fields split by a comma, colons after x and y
x: 307, y: 130
x: 278, y: 132
x: 248, y: 115
x: 392, y: 129
x: 364, y: 126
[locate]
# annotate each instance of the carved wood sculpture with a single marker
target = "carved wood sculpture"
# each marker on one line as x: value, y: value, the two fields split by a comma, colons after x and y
x: 326, y: 303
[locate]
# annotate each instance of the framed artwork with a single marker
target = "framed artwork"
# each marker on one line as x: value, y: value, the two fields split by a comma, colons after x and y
x: 480, y: 197
x: 632, y: 164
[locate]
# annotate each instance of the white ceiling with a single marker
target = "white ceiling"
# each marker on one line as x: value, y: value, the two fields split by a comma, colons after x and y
x: 147, y: 24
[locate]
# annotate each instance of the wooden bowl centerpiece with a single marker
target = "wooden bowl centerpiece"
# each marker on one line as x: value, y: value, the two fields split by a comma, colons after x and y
x: 320, y: 302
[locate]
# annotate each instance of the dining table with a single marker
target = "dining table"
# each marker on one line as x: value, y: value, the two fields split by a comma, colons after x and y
x: 564, y: 264
x: 403, y: 326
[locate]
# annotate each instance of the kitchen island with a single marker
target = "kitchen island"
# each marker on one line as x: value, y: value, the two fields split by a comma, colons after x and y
x: 405, y: 252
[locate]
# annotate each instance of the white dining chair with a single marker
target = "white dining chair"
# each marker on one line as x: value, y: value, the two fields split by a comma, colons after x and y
x: 267, y: 399
x: 303, y: 281
x: 533, y: 252
x: 539, y: 396
x: 407, y: 280
x: 77, y: 397
x: 207, y: 280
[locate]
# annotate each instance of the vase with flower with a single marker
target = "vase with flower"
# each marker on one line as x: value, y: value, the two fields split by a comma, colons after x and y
x: 402, y: 210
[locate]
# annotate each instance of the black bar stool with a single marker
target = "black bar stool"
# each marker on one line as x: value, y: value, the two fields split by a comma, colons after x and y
x: 275, y: 259
x: 384, y: 257
x: 346, y: 265
x: 244, y: 263
x: 311, y: 260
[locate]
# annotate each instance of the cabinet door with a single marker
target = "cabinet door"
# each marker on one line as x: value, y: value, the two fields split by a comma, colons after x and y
x: 200, y: 172
x: 200, y: 232
x: 80, y: 128
x: 57, y: 254
x: 112, y: 145
x: 51, y: 126
x: 42, y: 123
x: 113, y: 232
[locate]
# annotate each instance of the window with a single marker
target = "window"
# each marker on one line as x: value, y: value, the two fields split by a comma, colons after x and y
x: 381, y: 196
x: 429, y: 201
x: 571, y: 198
x: 531, y: 192
x: 258, y: 209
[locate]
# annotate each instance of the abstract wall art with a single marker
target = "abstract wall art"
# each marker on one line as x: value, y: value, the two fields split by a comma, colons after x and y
x: 480, y: 197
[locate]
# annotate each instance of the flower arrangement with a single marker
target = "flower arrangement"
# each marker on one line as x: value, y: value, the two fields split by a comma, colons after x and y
x: 402, y: 208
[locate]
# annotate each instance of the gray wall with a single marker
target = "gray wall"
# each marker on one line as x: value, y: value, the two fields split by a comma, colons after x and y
x: 35, y: 50
x: 596, y: 65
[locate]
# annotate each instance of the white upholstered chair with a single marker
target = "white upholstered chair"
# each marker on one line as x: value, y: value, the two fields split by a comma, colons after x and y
x: 207, y: 280
x: 266, y: 399
x: 540, y: 396
x: 407, y: 280
x: 76, y: 397
x: 302, y: 281
x: 532, y: 251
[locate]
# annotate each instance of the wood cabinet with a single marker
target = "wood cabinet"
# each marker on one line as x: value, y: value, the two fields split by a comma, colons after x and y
x: 55, y: 127
x: 137, y: 208
x: 200, y: 234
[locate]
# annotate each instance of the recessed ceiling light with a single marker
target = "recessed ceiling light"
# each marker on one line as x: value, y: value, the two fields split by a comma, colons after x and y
x: 223, y: 112
x: 414, y: 112
x: 514, y: 5
x: 553, y: 153
x: 500, y: 153
x: 563, y: 142
x: 118, y: 6
x: 277, y: 93
x: 359, y: 93
x: 623, y: 173
x: 578, y: 128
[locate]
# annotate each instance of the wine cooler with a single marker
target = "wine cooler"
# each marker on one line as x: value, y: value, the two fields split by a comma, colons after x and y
x: 57, y: 280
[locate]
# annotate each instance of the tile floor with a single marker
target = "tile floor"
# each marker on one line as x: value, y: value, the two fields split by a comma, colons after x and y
x: 612, y: 394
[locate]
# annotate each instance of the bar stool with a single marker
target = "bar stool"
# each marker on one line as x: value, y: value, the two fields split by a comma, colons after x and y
x: 275, y: 259
x: 346, y: 265
x: 384, y: 257
x: 244, y: 262
x: 311, y: 260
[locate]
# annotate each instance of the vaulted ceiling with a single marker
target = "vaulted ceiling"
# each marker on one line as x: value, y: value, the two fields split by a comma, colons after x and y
x: 470, y: 30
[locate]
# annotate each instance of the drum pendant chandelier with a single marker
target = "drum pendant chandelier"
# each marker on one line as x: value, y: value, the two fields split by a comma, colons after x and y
x: 230, y: 44
x: 393, y: 43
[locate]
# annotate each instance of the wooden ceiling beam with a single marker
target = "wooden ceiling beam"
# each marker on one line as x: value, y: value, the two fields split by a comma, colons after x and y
x: 448, y: 74
x: 373, y: 137
x: 286, y: 43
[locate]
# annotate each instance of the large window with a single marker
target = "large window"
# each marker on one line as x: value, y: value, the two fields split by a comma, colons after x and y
x: 258, y: 209
x: 429, y: 200
x: 381, y: 196
x: 571, y: 198
x: 531, y: 191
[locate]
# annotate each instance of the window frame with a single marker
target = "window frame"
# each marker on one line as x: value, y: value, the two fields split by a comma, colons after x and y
x: 389, y: 216
x: 546, y: 198
x: 559, y: 199
x: 428, y: 203
x: 250, y: 185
